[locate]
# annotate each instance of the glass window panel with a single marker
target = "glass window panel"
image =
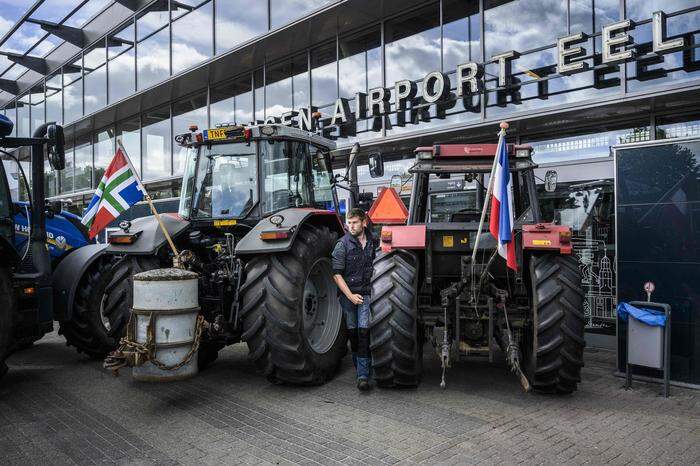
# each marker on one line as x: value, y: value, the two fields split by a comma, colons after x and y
x: 192, y: 38
x: 54, y: 104
x: 130, y: 135
x: 23, y: 38
x: 152, y: 19
x: 121, y: 76
x: 278, y: 89
x: 72, y: 92
x: 591, y: 15
x: 121, y: 40
x: 244, y: 102
x: 104, y: 152
x: 186, y: 112
x: 259, y: 85
x: 38, y: 104
x: 50, y: 180
x: 412, y: 50
x: 300, y: 81
x: 676, y: 127
x: 11, y: 113
x: 517, y: 24
x: 324, y: 75
x: 359, y: 68
x: 53, y: 10
x: 232, y: 28
x: 221, y: 105
x: 461, y: 33
x: 22, y: 121
x: 587, y: 145
x: 153, y: 59
x: 65, y: 176
x: 95, y: 79
x: 286, y: 11
x: 83, y: 163
x: 86, y: 12
x: 639, y: 10
x: 674, y: 68
x: 156, y: 144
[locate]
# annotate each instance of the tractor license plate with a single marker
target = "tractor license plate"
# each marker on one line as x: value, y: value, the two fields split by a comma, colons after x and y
x: 213, y: 134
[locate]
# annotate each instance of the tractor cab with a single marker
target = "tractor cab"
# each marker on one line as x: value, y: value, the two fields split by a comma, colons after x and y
x: 242, y: 174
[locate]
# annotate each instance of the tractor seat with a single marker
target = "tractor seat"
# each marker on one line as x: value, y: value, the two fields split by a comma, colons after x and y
x: 466, y: 215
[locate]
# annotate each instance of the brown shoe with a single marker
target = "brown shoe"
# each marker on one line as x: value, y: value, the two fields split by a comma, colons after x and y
x: 363, y: 385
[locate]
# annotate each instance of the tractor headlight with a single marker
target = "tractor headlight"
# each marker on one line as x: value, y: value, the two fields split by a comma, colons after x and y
x: 522, y: 152
x: 424, y: 155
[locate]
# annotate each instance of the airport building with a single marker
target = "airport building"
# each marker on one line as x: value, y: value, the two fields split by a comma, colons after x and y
x: 574, y: 78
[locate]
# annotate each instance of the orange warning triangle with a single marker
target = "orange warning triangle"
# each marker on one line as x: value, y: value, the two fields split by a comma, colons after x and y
x: 388, y: 208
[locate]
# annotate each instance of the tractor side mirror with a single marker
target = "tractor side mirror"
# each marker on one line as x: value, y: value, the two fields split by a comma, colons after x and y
x: 550, y: 181
x: 376, y: 164
x: 352, y: 159
x: 56, y: 146
x: 321, y: 160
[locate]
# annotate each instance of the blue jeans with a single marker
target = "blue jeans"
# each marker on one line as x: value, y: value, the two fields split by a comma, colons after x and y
x: 357, y: 322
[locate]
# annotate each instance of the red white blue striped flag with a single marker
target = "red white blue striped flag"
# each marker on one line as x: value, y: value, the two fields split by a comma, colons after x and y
x: 502, y: 222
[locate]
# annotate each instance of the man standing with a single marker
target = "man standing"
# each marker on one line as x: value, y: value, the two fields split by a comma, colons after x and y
x: 353, y: 256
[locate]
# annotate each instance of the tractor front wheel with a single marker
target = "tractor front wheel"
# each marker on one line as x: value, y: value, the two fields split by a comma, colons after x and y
x: 553, y: 350
x: 291, y: 316
x: 396, y: 341
x: 103, y: 304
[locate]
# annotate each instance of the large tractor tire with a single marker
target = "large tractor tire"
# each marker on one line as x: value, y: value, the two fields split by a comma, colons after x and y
x: 7, y: 306
x: 103, y: 304
x: 291, y: 316
x: 553, y: 351
x: 396, y: 337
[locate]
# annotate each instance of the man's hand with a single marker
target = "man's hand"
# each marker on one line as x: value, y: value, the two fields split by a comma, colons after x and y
x: 356, y: 299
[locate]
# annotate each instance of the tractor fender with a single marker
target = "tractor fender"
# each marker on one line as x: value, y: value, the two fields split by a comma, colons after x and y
x: 150, y: 236
x: 293, y: 219
x: 67, y: 275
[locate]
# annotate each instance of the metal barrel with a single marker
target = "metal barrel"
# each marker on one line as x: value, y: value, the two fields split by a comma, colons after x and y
x: 164, y: 315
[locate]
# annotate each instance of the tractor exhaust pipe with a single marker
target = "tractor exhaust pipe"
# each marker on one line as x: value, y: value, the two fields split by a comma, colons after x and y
x: 351, y: 176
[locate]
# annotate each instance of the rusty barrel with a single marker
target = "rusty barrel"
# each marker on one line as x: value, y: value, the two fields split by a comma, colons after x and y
x: 164, y: 319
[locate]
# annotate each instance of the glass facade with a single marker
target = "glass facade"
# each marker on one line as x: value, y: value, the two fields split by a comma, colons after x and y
x: 168, y: 38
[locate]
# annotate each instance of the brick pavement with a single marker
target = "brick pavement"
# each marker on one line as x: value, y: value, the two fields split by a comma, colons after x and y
x: 58, y: 407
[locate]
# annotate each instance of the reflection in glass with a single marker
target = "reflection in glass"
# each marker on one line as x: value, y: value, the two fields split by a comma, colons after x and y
x: 360, y: 69
x: 129, y: 134
x: 231, y: 102
x: 192, y: 38
x: 38, y: 104
x: 278, y: 89
x: 153, y: 59
x: 232, y: 28
x: 54, y: 103
x: 668, y: 128
x: 186, y: 112
x: 83, y: 163
x: 412, y: 50
x: 591, y: 15
x: 65, y: 176
x: 95, y: 79
x: 72, y: 92
x: 587, y: 145
x: 154, y: 18
x: 286, y: 11
x: 156, y: 144
x: 122, y: 78
x: 461, y: 33
x: 324, y: 76
x: 259, y: 94
x: 104, y: 152
x: 22, y: 121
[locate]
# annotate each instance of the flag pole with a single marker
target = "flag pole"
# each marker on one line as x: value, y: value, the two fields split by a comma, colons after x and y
x: 147, y: 197
x: 501, y: 140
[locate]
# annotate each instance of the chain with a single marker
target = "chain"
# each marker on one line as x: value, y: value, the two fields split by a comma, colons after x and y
x: 133, y: 354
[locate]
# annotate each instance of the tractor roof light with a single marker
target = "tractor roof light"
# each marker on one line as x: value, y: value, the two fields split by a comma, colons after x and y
x: 268, y: 130
x: 523, y: 151
x: 424, y: 153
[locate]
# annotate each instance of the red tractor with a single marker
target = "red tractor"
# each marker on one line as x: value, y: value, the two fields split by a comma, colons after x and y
x: 431, y: 282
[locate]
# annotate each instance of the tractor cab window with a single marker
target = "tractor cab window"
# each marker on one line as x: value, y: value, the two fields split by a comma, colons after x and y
x: 222, y: 183
x: 294, y: 174
x: 452, y: 198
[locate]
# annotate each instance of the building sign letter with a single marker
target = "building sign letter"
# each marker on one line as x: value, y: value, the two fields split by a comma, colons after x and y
x: 469, y: 78
x: 504, y: 65
x: 612, y: 40
x: 565, y: 65
x: 659, y: 35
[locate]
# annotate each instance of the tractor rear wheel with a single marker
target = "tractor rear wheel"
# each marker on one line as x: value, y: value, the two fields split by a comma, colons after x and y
x: 7, y: 303
x: 103, y: 304
x: 553, y: 352
x: 291, y: 316
x: 396, y: 341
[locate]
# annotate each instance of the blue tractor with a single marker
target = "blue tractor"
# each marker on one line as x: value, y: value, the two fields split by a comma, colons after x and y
x: 26, y: 292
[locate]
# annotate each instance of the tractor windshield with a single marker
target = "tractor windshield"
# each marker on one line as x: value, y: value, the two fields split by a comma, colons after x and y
x: 220, y: 181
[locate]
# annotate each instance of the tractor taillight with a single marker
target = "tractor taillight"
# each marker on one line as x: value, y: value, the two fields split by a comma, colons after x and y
x: 247, y: 133
x: 565, y: 237
x: 273, y: 235
x: 126, y: 238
